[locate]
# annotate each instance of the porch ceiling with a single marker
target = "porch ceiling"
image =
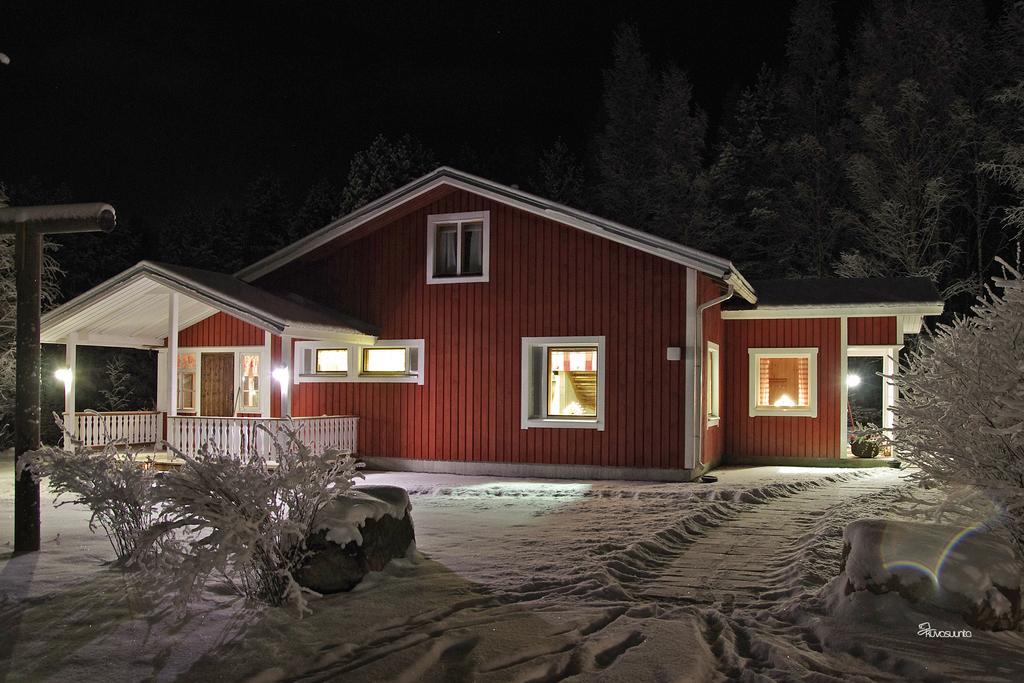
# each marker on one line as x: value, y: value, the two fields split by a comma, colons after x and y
x: 132, y: 309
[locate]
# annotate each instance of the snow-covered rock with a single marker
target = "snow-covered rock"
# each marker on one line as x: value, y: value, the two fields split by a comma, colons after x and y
x: 970, y: 571
x: 358, y: 533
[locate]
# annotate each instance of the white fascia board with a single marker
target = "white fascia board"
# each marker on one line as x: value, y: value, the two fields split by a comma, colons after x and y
x: 672, y: 251
x: 858, y: 311
x: 314, y: 333
x: 127, y: 342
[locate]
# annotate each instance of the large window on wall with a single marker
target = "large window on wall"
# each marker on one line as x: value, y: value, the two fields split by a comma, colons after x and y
x: 458, y: 246
x: 250, y: 380
x: 563, y: 382
x: 783, y: 381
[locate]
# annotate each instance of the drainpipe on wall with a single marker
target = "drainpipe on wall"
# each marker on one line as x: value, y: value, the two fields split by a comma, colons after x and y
x: 698, y: 384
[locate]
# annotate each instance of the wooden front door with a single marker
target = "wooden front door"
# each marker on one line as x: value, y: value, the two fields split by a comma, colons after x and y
x: 217, y: 385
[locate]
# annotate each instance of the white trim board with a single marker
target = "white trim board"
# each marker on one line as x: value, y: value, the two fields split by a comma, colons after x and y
x: 916, y: 311
x: 617, y: 232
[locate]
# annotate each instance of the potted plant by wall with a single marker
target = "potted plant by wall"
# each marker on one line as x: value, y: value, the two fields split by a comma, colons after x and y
x: 866, y: 441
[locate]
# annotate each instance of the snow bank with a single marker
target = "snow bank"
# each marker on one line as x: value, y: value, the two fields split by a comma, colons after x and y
x: 970, y: 570
x: 343, y: 518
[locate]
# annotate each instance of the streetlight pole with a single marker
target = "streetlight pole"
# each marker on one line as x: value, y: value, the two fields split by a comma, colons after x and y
x: 28, y: 224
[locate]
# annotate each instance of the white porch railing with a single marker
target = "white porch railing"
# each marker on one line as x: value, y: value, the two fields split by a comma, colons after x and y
x: 243, y: 435
x: 135, y: 427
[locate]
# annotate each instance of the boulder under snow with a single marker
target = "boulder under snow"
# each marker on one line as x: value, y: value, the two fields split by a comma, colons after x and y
x: 358, y: 533
x: 970, y: 571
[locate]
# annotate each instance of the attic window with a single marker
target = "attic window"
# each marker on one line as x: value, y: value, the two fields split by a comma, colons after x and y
x: 458, y: 246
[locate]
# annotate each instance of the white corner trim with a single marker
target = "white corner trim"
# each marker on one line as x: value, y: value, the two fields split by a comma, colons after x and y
x: 809, y: 352
x: 528, y: 421
x: 485, y: 256
x: 691, y: 435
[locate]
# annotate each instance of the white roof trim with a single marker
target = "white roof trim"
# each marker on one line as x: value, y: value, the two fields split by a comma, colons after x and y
x: 836, y: 311
x: 87, y: 312
x: 672, y: 251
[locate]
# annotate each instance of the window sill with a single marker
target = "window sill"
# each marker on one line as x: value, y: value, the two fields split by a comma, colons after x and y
x: 784, y: 412
x: 713, y: 421
x: 456, y: 279
x: 555, y: 423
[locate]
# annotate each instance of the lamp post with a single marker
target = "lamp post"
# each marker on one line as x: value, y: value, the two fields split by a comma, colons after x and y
x: 28, y: 224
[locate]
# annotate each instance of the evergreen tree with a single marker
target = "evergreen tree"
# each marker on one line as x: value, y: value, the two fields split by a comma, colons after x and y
x: 560, y: 176
x: 382, y: 167
x: 320, y: 207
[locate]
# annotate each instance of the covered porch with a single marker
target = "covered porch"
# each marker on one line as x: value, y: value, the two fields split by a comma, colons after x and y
x: 224, y: 366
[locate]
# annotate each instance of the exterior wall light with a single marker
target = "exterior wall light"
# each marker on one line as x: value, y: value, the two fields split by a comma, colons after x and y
x: 280, y: 376
x: 852, y: 380
x: 64, y: 375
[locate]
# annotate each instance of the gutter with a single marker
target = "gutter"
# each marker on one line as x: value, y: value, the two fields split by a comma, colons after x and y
x: 698, y: 384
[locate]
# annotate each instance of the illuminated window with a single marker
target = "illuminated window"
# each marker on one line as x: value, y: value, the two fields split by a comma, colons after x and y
x: 563, y: 382
x: 712, y: 373
x: 457, y: 248
x: 783, y: 382
x: 331, y: 360
x: 186, y: 381
x: 186, y: 390
x: 250, y: 384
x: 385, y: 361
x: 572, y: 382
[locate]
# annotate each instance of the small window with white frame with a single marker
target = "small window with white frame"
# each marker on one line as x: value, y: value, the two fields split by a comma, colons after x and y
x: 563, y: 382
x: 713, y: 374
x: 250, y: 380
x: 386, y: 361
x: 784, y: 381
x: 458, y: 247
x: 187, y: 382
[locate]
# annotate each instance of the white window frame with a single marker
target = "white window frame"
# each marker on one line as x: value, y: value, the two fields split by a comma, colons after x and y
x: 529, y: 393
x: 236, y: 380
x: 195, y: 393
x: 713, y: 399
x: 811, y: 354
x: 240, y: 388
x: 303, y: 374
x: 433, y: 221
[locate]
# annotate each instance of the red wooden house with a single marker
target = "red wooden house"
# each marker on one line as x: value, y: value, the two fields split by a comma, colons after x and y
x: 461, y: 325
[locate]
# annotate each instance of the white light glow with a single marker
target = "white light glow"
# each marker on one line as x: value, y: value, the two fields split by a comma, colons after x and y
x: 385, y: 360
x: 64, y: 375
x: 784, y: 401
x: 280, y: 375
x: 852, y: 380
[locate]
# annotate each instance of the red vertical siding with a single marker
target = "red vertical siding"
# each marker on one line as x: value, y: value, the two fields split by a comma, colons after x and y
x: 221, y: 329
x: 546, y: 279
x: 879, y: 330
x: 748, y: 437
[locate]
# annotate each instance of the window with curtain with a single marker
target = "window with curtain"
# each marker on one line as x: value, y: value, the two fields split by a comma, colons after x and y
x: 458, y: 247
x: 783, y: 382
x: 712, y: 373
x: 562, y: 383
x: 186, y: 390
x: 572, y: 382
x: 250, y: 380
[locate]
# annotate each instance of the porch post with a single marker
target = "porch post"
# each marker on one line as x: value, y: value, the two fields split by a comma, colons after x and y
x: 286, y: 386
x: 71, y: 361
x: 266, y: 377
x: 172, y: 355
x: 888, y: 390
x: 844, y: 390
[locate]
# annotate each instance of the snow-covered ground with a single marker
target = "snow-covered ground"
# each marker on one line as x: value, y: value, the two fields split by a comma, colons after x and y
x: 525, y: 580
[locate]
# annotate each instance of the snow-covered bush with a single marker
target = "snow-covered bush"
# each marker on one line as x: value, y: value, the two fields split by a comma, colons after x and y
x: 960, y: 418
x: 116, y: 489
x: 246, y: 520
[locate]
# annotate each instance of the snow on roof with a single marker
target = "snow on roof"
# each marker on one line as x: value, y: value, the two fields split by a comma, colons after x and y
x: 131, y: 309
x: 673, y: 251
x: 828, y: 292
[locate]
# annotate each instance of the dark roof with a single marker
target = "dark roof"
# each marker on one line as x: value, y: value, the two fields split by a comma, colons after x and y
x: 840, y: 292
x: 291, y: 308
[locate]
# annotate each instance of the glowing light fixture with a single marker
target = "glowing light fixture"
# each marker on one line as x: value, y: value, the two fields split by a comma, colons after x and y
x: 852, y: 380
x: 280, y: 375
x: 785, y: 401
x: 64, y: 375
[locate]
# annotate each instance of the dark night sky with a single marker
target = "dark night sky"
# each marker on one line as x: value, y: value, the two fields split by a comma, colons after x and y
x: 142, y: 104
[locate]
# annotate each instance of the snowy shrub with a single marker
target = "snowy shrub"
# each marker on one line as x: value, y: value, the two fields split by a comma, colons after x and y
x: 246, y: 520
x: 961, y: 414
x: 116, y: 489
x: 865, y: 447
